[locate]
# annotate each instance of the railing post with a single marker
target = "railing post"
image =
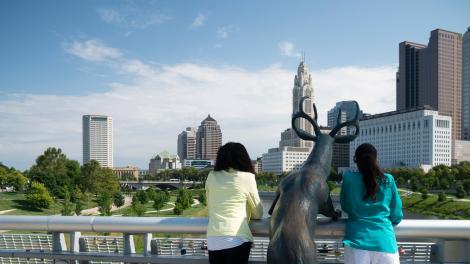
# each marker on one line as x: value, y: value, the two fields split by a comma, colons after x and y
x: 147, y: 241
x: 453, y: 251
x: 58, y: 242
x: 75, y: 242
x: 129, y: 247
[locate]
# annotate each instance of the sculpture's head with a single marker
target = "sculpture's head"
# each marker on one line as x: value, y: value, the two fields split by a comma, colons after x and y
x: 354, y: 123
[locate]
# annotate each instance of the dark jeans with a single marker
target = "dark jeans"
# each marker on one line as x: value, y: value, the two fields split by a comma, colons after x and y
x: 236, y: 255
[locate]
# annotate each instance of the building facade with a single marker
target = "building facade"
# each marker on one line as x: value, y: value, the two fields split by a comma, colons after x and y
x: 127, y: 173
x: 199, y: 164
x: 466, y: 85
x: 164, y: 161
x: 98, y: 139
x: 302, y: 87
x: 414, y: 138
x: 187, y: 144
x: 408, y: 78
x: 432, y: 75
x: 285, y: 159
x: 209, y: 139
x: 462, y: 151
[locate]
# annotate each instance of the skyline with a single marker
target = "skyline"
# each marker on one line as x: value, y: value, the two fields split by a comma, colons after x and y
x: 131, y: 60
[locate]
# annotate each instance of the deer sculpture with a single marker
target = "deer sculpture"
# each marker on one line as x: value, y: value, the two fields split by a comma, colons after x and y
x: 304, y: 193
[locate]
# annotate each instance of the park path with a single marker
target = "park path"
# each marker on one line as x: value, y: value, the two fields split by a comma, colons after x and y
x: 96, y: 210
x: 7, y: 211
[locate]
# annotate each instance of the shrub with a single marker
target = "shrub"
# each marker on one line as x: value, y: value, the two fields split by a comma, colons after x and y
x: 441, y: 197
x: 138, y: 208
x: 118, y: 199
x: 461, y: 192
x: 38, y: 197
x: 105, y: 203
x: 424, y: 194
x: 178, y: 209
x: 202, y: 198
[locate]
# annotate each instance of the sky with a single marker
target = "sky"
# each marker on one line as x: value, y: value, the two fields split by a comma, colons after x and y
x: 159, y: 66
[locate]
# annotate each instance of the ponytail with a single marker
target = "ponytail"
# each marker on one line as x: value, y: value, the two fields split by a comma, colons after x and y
x: 366, y: 160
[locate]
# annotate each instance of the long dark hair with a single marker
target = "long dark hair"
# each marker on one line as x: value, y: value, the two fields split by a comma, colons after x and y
x: 366, y: 160
x: 233, y: 156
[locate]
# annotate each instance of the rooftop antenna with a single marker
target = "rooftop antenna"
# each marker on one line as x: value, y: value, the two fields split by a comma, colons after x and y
x: 303, y: 56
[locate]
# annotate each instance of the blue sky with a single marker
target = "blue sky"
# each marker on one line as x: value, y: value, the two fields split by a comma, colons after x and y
x: 62, y: 59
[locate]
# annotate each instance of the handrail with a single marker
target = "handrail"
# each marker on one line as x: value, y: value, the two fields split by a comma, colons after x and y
x: 444, y: 229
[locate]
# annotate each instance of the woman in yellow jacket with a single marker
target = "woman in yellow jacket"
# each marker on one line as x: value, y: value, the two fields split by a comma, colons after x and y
x: 232, y: 199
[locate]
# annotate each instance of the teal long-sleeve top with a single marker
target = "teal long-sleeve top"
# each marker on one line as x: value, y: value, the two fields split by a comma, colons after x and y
x: 370, y: 223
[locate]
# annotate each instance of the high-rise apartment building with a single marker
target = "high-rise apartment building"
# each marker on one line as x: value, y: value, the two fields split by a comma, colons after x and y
x: 466, y: 85
x: 431, y: 75
x: 209, y: 139
x: 302, y: 87
x: 98, y: 139
x: 187, y: 144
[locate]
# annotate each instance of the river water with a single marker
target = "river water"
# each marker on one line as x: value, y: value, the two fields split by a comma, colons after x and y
x: 268, y: 197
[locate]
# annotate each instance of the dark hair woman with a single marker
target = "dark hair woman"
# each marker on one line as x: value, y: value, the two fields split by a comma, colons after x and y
x: 232, y: 199
x: 371, y: 200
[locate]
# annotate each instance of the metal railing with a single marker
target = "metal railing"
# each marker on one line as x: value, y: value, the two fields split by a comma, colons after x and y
x: 451, y: 237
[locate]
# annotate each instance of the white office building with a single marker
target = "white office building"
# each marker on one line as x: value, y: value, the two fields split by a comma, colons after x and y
x: 285, y: 159
x: 414, y: 138
x: 198, y: 163
x: 98, y: 139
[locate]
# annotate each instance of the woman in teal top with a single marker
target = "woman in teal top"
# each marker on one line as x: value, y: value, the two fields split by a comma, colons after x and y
x: 371, y: 200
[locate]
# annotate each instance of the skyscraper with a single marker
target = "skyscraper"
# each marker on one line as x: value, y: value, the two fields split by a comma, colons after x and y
x: 187, y: 144
x: 431, y: 75
x: 466, y: 85
x: 98, y: 139
x: 302, y: 87
x: 209, y: 139
x: 408, y: 75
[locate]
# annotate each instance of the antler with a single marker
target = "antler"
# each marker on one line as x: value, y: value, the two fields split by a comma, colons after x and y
x: 354, y: 123
x: 301, y: 114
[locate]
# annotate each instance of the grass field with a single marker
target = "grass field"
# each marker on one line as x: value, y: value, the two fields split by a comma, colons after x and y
x: 449, y: 209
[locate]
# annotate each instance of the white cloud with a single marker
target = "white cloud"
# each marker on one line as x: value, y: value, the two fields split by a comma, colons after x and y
x: 287, y: 49
x: 222, y: 32
x: 133, y: 17
x: 92, y: 50
x: 110, y: 15
x: 252, y: 107
x: 198, y: 21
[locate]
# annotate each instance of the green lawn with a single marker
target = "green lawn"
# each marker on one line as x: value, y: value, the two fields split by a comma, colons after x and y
x: 13, y: 200
x: 448, y: 209
x: 16, y: 201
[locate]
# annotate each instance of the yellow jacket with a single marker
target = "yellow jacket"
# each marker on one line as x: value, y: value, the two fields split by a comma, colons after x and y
x: 232, y: 199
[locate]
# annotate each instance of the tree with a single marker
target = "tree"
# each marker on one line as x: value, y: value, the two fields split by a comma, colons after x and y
x: 79, y: 199
x: 138, y: 208
x: 461, y: 192
x: 466, y: 185
x: 202, y: 198
x: 68, y: 207
x: 414, y: 184
x: 38, y: 197
x: 97, y: 180
x: 151, y: 193
x: 441, y: 197
x: 105, y: 203
x: 141, y: 196
x: 16, y: 180
x: 119, y: 199
x: 51, y: 170
x: 178, y: 209
x: 424, y: 193
x: 159, y: 200
x: 184, y: 198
